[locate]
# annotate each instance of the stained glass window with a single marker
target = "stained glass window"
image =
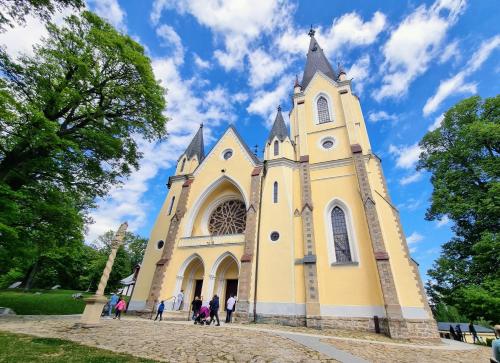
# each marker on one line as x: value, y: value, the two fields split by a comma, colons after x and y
x: 275, y: 192
x: 323, y: 114
x: 228, y: 218
x: 340, y: 236
x: 276, y: 148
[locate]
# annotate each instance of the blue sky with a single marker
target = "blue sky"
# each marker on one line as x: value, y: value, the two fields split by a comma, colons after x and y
x: 234, y: 61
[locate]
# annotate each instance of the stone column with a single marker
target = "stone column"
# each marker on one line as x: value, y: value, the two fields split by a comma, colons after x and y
x: 245, y: 277
x: 310, y: 269
x: 396, y: 324
x: 94, y: 304
x: 168, y: 249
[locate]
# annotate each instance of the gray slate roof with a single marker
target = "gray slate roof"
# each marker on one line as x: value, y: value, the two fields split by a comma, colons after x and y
x: 316, y: 61
x: 279, y: 128
x: 196, y: 147
x: 445, y: 326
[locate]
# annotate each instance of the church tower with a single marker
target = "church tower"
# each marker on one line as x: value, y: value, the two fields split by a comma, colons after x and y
x: 306, y: 236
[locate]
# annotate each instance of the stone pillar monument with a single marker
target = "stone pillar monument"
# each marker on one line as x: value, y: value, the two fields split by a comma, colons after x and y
x: 94, y: 304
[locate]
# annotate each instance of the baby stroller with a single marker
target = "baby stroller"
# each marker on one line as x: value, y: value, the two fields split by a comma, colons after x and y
x: 202, y: 316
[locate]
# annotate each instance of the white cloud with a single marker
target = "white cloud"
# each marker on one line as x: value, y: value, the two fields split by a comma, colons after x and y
x: 236, y: 23
x: 359, y: 72
x: 451, y: 51
x: 415, y: 237
x: 349, y: 31
x: 437, y: 122
x: 442, y: 222
x: 381, y: 116
x: 411, y: 204
x: 412, y: 178
x: 263, y: 68
x: 111, y: 11
x: 457, y: 83
x: 172, y: 40
x: 265, y: 102
x: 413, y: 44
x: 406, y: 156
x: 201, y: 63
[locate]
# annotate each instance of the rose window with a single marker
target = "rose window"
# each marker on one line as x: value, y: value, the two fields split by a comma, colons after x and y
x: 228, y: 218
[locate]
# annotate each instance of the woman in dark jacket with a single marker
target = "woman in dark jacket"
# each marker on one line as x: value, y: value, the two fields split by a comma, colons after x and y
x: 214, y: 310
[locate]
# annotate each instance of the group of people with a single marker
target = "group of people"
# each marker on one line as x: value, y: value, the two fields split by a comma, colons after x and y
x: 458, y: 334
x: 117, y: 303
x: 204, y: 314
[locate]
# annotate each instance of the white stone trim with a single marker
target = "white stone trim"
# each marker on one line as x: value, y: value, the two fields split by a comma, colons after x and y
x: 413, y: 312
x: 351, y: 233
x: 221, y: 258
x: 352, y: 311
x: 280, y: 308
x: 329, y: 102
x: 188, y: 228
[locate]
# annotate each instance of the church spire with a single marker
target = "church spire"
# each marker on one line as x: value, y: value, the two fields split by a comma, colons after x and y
x: 279, y: 128
x: 316, y: 61
x: 196, y: 147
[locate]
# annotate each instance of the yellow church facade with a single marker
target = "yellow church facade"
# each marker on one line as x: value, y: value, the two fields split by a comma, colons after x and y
x: 308, y: 235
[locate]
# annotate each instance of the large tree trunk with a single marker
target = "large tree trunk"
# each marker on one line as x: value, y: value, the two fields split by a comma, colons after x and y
x: 31, y: 276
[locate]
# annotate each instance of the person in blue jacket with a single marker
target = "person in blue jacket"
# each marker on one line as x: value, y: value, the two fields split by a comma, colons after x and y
x: 214, y: 310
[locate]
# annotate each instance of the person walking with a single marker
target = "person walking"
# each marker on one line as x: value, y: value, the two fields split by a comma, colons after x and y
x: 161, y: 307
x: 113, y: 300
x: 214, y: 310
x: 230, y: 308
x: 473, y: 331
x: 459, y: 333
x: 495, y: 345
x: 180, y: 300
x: 196, y: 306
x: 120, y: 306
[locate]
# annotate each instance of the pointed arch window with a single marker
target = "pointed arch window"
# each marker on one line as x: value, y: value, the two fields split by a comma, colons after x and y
x: 340, y: 235
x: 183, y: 164
x: 276, y: 148
x: 275, y: 192
x: 323, y: 112
x: 171, y: 205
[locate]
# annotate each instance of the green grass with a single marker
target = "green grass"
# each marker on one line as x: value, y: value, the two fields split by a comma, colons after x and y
x: 25, y: 348
x: 49, y: 302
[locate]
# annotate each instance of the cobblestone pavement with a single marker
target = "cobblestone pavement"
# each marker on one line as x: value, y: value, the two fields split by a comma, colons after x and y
x: 379, y: 352
x: 168, y: 341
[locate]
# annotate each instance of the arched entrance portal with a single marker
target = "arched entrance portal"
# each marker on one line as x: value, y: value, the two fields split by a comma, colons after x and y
x: 226, y: 271
x: 192, y: 279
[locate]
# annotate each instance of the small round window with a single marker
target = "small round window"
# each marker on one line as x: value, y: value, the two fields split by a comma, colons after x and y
x: 275, y: 236
x: 328, y: 144
x: 227, y: 154
x: 160, y: 244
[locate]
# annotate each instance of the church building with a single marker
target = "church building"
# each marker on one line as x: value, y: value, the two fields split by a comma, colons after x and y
x: 307, y: 236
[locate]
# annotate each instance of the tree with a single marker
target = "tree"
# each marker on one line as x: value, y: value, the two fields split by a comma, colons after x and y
x: 70, y: 118
x: 463, y: 158
x: 15, y: 11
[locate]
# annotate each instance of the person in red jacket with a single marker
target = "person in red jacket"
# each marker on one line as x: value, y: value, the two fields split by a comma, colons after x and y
x: 120, y: 306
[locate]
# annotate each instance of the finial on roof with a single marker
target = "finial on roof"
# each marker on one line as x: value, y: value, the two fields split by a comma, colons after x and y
x: 279, y: 108
x: 201, y: 125
x: 279, y: 128
x: 255, y: 149
x: 340, y: 68
x: 296, y: 81
x: 311, y: 32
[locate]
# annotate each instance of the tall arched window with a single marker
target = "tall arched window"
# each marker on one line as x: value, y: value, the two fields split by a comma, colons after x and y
x: 340, y: 236
x: 276, y: 148
x: 323, y: 113
x: 183, y: 165
x: 171, y: 205
x: 275, y: 192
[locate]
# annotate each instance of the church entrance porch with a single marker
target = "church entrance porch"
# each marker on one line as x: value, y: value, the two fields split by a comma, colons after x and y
x: 226, y: 273
x: 191, y: 278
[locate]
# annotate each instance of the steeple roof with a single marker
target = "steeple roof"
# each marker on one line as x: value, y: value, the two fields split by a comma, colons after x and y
x: 316, y: 61
x: 279, y: 128
x: 196, y: 147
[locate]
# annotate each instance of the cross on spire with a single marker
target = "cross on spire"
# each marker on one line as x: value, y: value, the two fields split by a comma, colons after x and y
x: 311, y: 32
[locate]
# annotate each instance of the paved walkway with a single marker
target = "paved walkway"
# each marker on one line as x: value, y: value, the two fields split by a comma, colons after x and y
x: 181, y: 341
